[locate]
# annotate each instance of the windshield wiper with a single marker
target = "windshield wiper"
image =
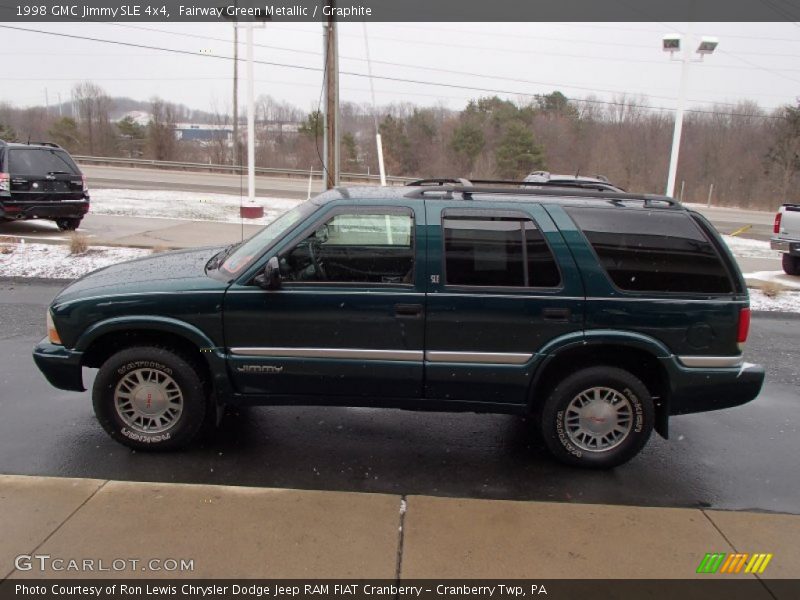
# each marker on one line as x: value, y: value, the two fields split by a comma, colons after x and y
x: 59, y: 173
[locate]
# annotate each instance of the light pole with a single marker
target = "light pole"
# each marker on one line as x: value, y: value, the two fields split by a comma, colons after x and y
x: 672, y: 43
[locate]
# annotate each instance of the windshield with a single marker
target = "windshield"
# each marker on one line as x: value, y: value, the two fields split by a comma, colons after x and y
x: 243, y: 256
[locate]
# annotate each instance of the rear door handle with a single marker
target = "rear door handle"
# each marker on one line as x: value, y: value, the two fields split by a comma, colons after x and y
x: 408, y: 310
x: 556, y: 314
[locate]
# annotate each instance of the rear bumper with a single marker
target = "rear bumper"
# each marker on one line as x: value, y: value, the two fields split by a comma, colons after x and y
x: 705, y: 389
x: 786, y: 246
x: 61, y: 367
x: 57, y: 209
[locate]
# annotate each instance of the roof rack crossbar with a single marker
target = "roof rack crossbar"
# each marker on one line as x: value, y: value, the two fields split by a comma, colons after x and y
x: 648, y: 199
x: 49, y: 144
x: 440, y: 181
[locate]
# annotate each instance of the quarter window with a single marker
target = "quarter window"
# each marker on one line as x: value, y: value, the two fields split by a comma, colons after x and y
x: 653, y: 251
x: 497, y: 252
x: 355, y: 248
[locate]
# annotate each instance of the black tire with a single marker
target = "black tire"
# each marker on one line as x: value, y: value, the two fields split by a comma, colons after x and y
x: 791, y: 264
x: 68, y: 224
x: 162, y: 366
x: 563, y: 441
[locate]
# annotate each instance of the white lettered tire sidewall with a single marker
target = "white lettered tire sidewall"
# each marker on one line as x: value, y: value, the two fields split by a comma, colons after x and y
x: 180, y: 370
x: 553, y: 427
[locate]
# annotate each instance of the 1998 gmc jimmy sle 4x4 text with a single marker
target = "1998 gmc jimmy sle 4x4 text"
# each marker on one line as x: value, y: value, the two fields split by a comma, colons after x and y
x: 600, y: 313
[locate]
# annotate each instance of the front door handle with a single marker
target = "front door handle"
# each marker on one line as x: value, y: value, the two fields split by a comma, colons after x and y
x: 408, y: 310
x: 556, y: 314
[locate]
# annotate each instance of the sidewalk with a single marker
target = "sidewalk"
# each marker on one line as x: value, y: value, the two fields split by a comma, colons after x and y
x: 238, y: 532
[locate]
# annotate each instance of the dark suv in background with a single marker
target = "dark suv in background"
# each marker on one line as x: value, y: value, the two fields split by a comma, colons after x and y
x: 39, y: 180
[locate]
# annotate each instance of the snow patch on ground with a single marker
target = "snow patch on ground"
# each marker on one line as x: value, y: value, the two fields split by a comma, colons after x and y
x: 747, y: 248
x: 194, y: 206
x: 55, y: 261
x: 783, y: 302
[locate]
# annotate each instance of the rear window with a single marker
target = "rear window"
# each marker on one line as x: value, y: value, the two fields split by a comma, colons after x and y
x: 653, y: 251
x: 40, y: 161
x: 497, y: 252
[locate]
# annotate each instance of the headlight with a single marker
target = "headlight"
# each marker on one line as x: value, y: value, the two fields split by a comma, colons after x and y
x: 52, y: 334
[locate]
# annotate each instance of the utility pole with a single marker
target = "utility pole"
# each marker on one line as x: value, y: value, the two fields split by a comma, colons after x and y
x: 236, y: 159
x: 251, y: 118
x: 331, y: 143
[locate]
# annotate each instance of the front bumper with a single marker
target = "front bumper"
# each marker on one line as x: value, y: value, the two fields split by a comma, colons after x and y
x: 704, y: 389
x: 57, y: 209
x: 61, y: 367
x: 786, y: 246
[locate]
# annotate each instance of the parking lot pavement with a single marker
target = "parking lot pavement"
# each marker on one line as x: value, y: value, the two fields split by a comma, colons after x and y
x: 236, y: 532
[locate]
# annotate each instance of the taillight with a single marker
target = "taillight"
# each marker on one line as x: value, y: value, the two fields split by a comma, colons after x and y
x: 85, y: 186
x: 776, y: 228
x: 744, y: 325
x: 5, y: 182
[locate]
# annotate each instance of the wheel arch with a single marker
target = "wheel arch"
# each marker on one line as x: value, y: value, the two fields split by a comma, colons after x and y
x: 637, y: 353
x: 106, y: 338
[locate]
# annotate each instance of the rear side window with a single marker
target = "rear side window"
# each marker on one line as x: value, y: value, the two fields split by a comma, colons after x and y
x: 37, y: 161
x: 653, y: 251
x: 497, y: 252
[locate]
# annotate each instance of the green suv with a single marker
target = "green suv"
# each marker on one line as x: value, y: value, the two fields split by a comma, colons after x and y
x: 598, y: 313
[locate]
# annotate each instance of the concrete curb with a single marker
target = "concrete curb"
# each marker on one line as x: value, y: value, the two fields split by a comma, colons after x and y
x: 232, y: 532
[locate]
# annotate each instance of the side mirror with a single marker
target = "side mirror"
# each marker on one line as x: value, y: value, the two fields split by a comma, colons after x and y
x: 270, y: 278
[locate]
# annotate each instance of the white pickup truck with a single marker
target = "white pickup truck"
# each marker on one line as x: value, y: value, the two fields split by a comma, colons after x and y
x: 787, y: 237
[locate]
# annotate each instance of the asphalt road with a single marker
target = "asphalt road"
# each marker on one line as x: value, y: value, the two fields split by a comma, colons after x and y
x: 742, y: 458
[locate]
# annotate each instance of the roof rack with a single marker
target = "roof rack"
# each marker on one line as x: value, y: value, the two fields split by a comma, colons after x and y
x: 583, y: 184
x: 440, y: 181
x: 49, y: 144
x: 611, y: 196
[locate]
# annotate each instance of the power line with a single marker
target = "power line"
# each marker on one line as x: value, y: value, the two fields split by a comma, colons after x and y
x: 382, y: 77
x: 441, y: 70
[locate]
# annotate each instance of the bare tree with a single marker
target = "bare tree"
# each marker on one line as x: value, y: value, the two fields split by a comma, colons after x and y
x: 94, y: 106
x: 161, y: 140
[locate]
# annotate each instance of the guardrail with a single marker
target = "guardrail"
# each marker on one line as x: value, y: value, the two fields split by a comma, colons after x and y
x: 235, y: 169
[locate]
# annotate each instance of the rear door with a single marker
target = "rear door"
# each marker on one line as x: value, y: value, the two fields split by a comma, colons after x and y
x: 502, y: 285
x: 43, y: 174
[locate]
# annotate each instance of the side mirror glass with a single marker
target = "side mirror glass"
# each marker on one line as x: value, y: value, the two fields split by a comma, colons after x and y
x: 270, y: 278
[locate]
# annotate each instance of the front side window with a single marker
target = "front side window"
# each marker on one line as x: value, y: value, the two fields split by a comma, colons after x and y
x: 355, y: 247
x: 653, y: 251
x: 491, y: 251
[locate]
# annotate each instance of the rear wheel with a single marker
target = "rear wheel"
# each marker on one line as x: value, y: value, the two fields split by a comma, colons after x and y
x: 150, y: 398
x: 599, y: 417
x: 791, y: 264
x: 68, y: 224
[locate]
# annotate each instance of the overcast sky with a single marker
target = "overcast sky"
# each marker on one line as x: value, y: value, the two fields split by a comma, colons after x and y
x: 754, y: 61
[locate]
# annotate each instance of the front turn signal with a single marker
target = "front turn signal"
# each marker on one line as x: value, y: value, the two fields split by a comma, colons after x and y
x: 52, y: 332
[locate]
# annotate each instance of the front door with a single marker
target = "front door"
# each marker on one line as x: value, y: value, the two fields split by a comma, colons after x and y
x: 348, y: 320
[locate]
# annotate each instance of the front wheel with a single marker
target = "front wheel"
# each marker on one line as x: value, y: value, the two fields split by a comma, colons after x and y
x: 599, y: 418
x: 150, y: 398
x: 791, y: 264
